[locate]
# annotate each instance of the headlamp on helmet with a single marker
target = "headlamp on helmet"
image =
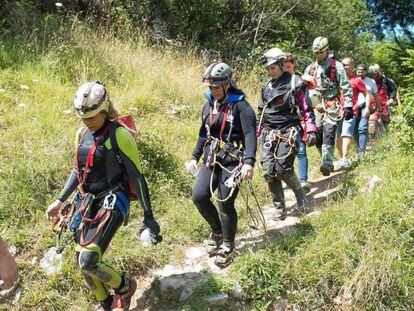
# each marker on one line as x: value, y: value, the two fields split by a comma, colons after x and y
x: 90, y: 99
x: 273, y: 56
x: 217, y: 74
x: 320, y: 44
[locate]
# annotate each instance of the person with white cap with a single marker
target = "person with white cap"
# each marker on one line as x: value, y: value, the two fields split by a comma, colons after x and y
x: 106, y: 176
x: 331, y: 81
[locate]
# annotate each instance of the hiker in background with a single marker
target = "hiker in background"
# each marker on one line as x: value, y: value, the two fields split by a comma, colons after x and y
x: 387, y: 93
x: 331, y: 79
x: 346, y: 126
x: 9, y: 272
x: 283, y: 103
x: 227, y: 139
x: 397, y: 95
x: 362, y: 121
x: 303, y: 162
x: 107, y: 172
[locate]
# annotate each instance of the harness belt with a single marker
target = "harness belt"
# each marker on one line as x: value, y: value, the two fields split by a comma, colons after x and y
x: 276, y: 136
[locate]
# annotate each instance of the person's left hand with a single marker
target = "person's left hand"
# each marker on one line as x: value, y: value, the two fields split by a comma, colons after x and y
x: 150, y: 232
x: 247, y: 171
x: 348, y: 113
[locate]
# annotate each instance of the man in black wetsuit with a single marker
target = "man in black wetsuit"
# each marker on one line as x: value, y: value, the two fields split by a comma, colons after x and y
x: 228, y: 140
x: 283, y: 103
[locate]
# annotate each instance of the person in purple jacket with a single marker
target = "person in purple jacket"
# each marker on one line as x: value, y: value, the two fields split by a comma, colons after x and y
x: 284, y: 101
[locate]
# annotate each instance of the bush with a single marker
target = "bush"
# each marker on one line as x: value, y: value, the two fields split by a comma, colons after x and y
x: 404, y: 124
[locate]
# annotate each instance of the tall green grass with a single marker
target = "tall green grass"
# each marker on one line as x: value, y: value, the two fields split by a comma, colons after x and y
x: 37, y: 145
x: 359, y: 249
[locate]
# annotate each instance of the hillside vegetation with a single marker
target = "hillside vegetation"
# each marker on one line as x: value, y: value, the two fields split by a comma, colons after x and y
x: 361, y: 245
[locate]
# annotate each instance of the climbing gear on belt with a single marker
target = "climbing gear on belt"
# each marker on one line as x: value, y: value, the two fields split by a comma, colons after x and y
x: 220, y: 150
x: 61, y: 223
x: 333, y: 109
x: 275, y: 137
x: 111, y: 198
x: 256, y: 221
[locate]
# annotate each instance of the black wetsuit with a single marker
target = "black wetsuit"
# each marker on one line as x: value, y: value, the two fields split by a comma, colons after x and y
x: 242, y: 134
x: 108, y: 172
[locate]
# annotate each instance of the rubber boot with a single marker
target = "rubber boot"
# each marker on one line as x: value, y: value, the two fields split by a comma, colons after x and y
x: 278, y: 197
x: 327, y: 159
x: 301, y: 199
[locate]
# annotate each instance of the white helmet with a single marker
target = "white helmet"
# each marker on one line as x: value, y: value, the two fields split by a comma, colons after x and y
x: 374, y: 69
x: 320, y: 44
x: 90, y: 99
x: 273, y: 56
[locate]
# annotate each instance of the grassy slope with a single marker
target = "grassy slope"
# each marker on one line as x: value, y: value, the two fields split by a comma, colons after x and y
x: 362, y: 245
x: 37, y: 146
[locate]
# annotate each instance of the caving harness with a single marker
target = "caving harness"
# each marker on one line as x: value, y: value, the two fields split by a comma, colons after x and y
x: 276, y: 137
x: 220, y: 149
x: 294, y: 107
x: 76, y: 214
x: 331, y: 107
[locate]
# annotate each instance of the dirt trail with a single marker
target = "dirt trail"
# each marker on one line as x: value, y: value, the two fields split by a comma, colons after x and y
x: 177, y: 280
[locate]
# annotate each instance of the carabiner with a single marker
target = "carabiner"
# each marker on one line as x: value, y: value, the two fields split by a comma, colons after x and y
x: 108, y: 202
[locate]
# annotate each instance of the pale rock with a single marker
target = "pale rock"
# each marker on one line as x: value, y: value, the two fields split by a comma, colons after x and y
x: 17, y: 295
x: 67, y: 111
x: 237, y: 292
x: 315, y: 214
x: 51, y: 261
x: 13, y: 250
x: 374, y: 180
x: 281, y: 305
x: 23, y: 105
x: 24, y: 87
x: 194, y: 253
x: 218, y: 299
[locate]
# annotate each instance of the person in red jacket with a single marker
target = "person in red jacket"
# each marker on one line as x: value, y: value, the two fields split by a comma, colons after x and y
x: 387, y: 93
x: 347, y: 124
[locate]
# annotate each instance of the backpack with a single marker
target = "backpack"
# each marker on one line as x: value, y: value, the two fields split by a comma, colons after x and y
x: 332, y: 70
x: 128, y: 123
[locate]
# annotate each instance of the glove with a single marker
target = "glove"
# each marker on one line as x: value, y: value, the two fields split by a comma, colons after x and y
x: 348, y: 113
x: 311, y: 140
x: 149, y: 233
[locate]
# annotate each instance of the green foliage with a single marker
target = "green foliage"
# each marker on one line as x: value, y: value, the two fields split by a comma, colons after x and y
x: 404, y: 124
x: 360, y: 248
x: 226, y: 29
